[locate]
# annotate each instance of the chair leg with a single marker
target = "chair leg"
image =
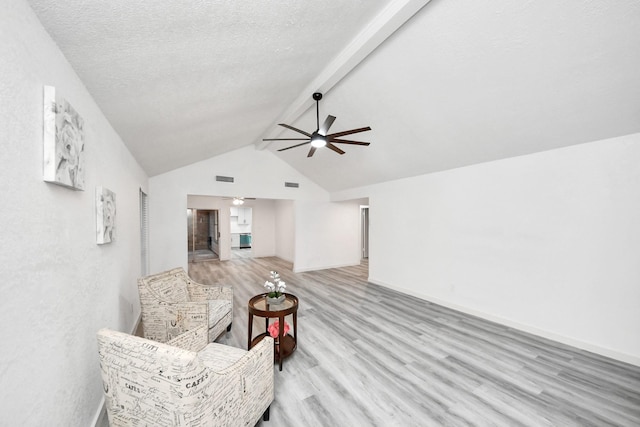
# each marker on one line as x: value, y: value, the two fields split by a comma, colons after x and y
x: 265, y: 416
x: 229, y: 327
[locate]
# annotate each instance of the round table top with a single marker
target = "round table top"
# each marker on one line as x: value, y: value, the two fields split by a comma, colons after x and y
x: 259, y: 307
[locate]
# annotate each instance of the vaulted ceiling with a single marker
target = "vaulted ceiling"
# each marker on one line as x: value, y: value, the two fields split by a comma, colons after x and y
x: 442, y: 83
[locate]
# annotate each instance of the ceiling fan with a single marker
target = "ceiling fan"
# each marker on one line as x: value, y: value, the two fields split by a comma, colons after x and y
x: 238, y: 200
x: 319, y: 138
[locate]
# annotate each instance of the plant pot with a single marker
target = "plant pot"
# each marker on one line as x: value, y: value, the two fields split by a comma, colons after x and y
x: 276, y: 300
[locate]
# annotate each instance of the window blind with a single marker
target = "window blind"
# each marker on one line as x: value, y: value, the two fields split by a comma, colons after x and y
x: 144, y: 234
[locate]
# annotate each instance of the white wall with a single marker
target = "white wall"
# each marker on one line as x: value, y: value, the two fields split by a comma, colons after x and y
x: 324, y: 234
x: 263, y: 234
x: 285, y: 230
x: 548, y: 242
x: 58, y: 286
x: 256, y: 173
x: 263, y: 223
x: 327, y: 235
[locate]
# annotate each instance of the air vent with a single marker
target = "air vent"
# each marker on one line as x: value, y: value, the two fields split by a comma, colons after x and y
x: 224, y: 178
x: 291, y: 184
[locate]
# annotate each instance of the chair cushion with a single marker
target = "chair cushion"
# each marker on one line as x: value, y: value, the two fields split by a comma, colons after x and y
x: 220, y: 356
x: 217, y: 310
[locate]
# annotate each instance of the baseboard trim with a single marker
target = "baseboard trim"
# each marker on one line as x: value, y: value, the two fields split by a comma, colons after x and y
x: 137, y: 325
x: 602, y: 351
x: 304, y: 270
x: 99, y: 417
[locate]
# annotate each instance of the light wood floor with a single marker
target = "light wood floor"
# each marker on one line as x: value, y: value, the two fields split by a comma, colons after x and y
x: 370, y: 356
x: 207, y: 255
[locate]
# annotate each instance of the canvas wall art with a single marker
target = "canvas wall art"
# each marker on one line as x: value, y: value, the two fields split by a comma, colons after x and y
x: 106, y: 215
x: 63, y: 142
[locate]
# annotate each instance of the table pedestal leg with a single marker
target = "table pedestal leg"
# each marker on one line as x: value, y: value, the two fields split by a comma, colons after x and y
x: 250, y: 331
x: 280, y: 338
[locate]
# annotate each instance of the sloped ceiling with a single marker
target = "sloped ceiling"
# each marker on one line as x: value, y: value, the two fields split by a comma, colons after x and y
x: 443, y: 84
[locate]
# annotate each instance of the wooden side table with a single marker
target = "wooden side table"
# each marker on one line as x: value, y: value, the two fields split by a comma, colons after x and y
x: 285, y: 344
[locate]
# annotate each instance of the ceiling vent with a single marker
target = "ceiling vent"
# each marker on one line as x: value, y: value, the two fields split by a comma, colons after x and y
x: 220, y: 178
x: 291, y: 184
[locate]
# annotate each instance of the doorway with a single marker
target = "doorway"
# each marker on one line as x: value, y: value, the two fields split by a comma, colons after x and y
x: 241, y: 221
x: 364, y: 232
x: 203, y: 235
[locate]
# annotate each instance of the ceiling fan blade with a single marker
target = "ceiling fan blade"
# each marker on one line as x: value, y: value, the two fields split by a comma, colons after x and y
x: 285, y: 139
x: 326, y: 125
x: 311, y: 151
x: 294, y: 146
x: 346, y: 141
x: 295, y: 129
x: 348, y: 132
x: 334, y: 148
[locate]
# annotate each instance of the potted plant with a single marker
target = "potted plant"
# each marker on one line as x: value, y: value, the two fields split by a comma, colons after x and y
x: 275, y: 289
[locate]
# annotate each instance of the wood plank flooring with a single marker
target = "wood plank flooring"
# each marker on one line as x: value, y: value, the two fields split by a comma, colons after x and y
x: 371, y: 356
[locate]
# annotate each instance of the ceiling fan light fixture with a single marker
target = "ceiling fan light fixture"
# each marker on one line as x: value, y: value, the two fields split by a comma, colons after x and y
x: 237, y: 201
x: 318, y: 141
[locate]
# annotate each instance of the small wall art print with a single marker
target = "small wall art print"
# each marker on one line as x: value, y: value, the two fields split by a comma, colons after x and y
x: 63, y: 142
x: 106, y: 215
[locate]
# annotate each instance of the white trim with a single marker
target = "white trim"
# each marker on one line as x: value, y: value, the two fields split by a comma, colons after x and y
x: 303, y: 270
x: 136, y: 325
x: 144, y: 232
x: 98, y: 419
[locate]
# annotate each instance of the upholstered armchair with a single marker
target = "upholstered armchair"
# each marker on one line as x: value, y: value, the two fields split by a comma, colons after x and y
x: 184, y: 382
x: 172, y: 303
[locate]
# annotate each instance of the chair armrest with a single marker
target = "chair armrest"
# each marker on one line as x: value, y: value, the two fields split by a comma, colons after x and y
x: 200, y: 292
x: 194, y: 340
x: 251, y: 371
x: 224, y: 359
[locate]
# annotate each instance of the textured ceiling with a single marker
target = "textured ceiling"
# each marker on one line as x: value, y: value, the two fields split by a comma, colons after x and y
x: 182, y: 81
x: 460, y: 82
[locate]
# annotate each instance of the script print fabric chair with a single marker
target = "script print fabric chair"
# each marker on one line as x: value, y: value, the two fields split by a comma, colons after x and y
x: 172, y: 303
x: 185, y: 382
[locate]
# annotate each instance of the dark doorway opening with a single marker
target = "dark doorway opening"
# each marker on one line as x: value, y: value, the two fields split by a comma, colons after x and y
x: 203, y: 235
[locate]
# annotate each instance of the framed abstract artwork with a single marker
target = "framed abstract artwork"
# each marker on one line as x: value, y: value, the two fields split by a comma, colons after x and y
x: 63, y: 142
x: 106, y: 215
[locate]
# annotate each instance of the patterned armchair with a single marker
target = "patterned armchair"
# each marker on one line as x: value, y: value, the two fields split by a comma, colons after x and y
x: 185, y: 382
x: 172, y: 303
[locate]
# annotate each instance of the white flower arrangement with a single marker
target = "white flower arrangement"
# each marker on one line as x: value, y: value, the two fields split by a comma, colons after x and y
x: 276, y: 286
